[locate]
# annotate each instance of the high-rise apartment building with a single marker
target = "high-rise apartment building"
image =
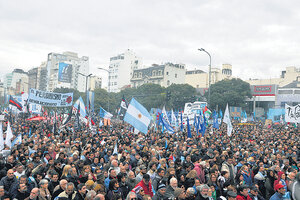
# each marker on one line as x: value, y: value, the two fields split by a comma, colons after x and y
x: 63, y: 71
x: 120, y: 70
x: 16, y: 82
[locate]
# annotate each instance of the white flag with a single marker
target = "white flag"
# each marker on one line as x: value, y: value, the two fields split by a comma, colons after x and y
x: 116, y: 149
x: 165, y: 115
x: 9, y: 136
x: 226, y: 120
x: 1, y: 137
x: 173, y: 117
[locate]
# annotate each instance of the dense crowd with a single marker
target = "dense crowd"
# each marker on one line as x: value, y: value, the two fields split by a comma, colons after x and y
x: 255, y: 163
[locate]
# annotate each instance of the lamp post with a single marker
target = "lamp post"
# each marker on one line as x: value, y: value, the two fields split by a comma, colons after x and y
x: 209, y: 74
x: 108, y: 86
x: 86, y: 81
x: 108, y: 78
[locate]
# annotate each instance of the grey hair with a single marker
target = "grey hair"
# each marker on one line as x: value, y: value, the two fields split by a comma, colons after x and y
x: 191, y: 191
x: 173, y: 179
x: 90, y: 195
x: 71, y: 184
x: 129, y: 195
x: 43, y: 181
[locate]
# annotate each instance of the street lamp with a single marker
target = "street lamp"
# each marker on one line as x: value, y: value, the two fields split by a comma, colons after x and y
x: 209, y: 74
x: 86, y: 81
x: 108, y: 77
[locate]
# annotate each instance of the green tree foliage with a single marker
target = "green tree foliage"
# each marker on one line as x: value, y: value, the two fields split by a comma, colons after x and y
x: 234, y: 92
x: 180, y: 94
x: 149, y: 95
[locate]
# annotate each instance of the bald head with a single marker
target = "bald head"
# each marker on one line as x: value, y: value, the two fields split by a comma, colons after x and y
x: 10, y: 174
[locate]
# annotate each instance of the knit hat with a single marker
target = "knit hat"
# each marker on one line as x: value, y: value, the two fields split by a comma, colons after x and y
x: 177, y: 192
x: 161, y: 186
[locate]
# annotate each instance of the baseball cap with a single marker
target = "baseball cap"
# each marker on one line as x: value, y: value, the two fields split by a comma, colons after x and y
x: 278, y: 186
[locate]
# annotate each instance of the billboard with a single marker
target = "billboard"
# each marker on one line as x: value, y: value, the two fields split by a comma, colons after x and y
x: 263, y: 90
x: 65, y: 72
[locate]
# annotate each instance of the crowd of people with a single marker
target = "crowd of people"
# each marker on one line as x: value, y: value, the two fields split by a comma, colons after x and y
x: 255, y: 163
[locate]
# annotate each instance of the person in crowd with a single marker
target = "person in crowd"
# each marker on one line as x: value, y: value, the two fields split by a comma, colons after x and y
x: 160, y: 194
x: 73, y: 162
x: 280, y: 192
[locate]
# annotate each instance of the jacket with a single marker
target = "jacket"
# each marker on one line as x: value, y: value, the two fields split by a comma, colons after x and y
x: 147, y: 188
x: 276, y: 196
x: 64, y: 194
x: 8, y: 183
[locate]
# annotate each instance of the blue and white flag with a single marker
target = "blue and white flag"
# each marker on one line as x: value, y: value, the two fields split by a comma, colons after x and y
x: 100, y: 123
x: 215, y: 120
x: 165, y: 115
x: 189, y: 133
x: 138, y: 116
x: 227, y: 121
x: 104, y: 114
x: 165, y: 124
x: 17, y: 140
x: 181, y: 122
x: 173, y: 119
x: 82, y: 110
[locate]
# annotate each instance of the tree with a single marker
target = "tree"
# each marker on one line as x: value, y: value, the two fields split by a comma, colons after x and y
x: 234, y: 92
x: 180, y: 94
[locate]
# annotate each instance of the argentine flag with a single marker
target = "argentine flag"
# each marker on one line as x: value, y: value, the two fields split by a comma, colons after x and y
x: 104, y: 114
x: 82, y: 107
x: 138, y: 116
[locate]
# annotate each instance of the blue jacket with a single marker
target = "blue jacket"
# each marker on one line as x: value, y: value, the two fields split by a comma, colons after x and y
x: 276, y: 196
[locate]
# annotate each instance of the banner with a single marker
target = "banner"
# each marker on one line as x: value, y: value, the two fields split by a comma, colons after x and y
x: 292, y: 113
x: 65, y: 72
x: 50, y: 99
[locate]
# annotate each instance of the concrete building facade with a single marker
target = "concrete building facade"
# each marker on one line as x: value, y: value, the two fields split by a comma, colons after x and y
x: 163, y: 75
x: 120, y: 70
x: 94, y: 83
x: 199, y: 79
x: 16, y: 82
x: 78, y: 64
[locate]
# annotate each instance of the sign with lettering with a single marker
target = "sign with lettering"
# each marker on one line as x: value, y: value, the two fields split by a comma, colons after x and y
x: 292, y: 113
x: 50, y: 99
x: 263, y: 90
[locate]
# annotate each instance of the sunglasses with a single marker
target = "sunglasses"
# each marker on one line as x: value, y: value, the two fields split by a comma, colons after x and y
x: 133, y: 198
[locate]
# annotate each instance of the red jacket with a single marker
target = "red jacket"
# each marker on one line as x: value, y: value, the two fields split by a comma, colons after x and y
x: 147, y: 188
x: 242, y: 197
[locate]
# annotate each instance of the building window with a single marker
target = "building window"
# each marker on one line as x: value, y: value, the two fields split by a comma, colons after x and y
x: 154, y: 73
x: 140, y: 74
x: 167, y: 73
x: 135, y: 75
x: 168, y: 82
x: 159, y: 72
x: 175, y: 75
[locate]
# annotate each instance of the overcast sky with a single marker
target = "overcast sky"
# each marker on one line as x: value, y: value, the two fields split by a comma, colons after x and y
x: 258, y: 37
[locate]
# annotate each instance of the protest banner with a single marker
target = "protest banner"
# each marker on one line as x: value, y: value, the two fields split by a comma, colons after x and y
x: 292, y: 113
x: 50, y: 99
